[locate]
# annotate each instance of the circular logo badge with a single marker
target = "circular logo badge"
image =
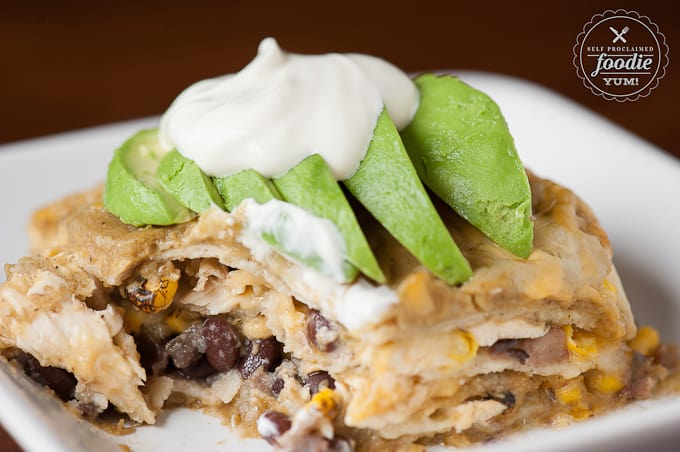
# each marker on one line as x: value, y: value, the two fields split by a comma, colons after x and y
x: 621, y: 55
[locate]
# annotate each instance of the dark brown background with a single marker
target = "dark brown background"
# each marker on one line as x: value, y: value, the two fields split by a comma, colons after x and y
x: 78, y: 64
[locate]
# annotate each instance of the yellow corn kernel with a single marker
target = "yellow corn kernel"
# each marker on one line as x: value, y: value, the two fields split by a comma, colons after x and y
x: 415, y: 295
x: 580, y: 343
x: 133, y: 320
x: 581, y: 413
x: 465, y: 347
x: 150, y: 297
x: 325, y: 401
x: 604, y: 383
x: 570, y: 393
x: 164, y: 293
x: 180, y: 320
x: 645, y: 341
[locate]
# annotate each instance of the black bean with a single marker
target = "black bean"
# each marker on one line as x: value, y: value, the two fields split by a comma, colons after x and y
x: 152, y: 354
x: 272, y: 424
x: 277, y: 387
x: 88, y: 410
x: 265, y: 353
x: 223, y: 345
x: 61, y: 381
x: 319, y: 380
x: 640, y: 384
x: 29, y: 364
x: 510, y: 347
x: 138, y: 295
x: 200, y: 369
x: 187, y: 348
x: 508, y: 399
x: 667, y: 356
x: 320, y: 332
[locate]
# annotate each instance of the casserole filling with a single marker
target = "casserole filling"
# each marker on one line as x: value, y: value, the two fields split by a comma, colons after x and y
x: 131, y: 320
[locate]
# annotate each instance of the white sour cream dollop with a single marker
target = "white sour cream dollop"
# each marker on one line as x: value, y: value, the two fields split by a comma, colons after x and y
x: 283, y: 107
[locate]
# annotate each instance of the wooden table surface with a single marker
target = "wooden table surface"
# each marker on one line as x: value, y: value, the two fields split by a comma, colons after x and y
x: 78, y: 64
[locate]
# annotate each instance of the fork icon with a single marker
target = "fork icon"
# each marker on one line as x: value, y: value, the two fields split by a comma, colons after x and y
x: 619, y: 36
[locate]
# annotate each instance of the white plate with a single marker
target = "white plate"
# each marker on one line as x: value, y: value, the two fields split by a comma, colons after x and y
x: 633, y: 188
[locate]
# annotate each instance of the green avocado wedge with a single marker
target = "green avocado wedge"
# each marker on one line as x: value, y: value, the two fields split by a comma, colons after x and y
x: 132, y: 192
x: 388, y: 186
x: 183, y: 179
x: 462, y: 149
x: 311, y: 185
x: 245, y: 184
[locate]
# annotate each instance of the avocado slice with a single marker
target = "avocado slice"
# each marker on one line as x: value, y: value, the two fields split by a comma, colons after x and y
x: 311, y: 185
x: 282, y: 218
x: 388, y: 186
x: 245, y: 184
x: 132, y: 192
x: 183, y: 179
x: 462, y: 149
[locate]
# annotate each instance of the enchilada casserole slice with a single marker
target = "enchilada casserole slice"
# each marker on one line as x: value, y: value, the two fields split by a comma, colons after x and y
x: 118, y: 318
